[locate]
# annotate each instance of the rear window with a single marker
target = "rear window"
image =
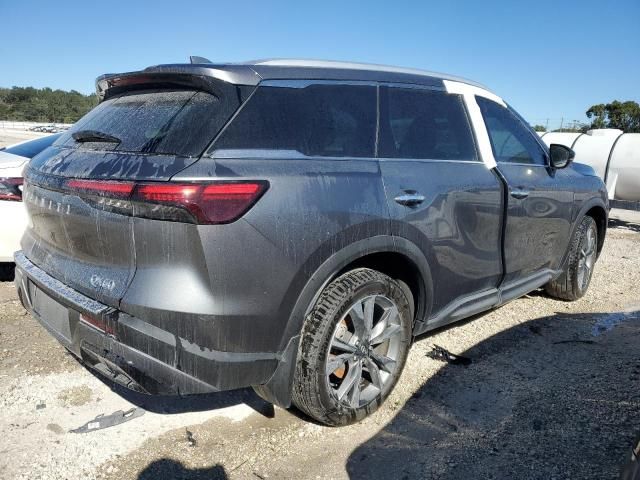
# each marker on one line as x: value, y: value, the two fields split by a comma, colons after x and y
x: 164, y: 122
x: 315, y: 120
x: 33, y: 147
x: 420, y: 123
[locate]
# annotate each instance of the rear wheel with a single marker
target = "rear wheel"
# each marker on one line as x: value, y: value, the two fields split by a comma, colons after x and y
x: 574, y: 281
x: 353, y: 348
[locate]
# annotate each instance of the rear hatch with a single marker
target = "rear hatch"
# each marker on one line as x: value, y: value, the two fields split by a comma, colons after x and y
x: 78, y: 192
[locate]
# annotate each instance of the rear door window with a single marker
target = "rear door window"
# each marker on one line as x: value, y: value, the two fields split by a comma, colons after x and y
x: 424, y: 124
x: 164, y: 122
x: 324, y: 120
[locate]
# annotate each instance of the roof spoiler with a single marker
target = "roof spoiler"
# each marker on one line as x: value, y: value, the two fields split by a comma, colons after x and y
x: 208, y: 77
x: 110, y: 85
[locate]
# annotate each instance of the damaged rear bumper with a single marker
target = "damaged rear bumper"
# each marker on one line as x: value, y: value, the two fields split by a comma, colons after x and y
x: 135, y: 354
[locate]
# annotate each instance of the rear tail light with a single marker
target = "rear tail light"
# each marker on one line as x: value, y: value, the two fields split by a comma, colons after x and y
x: 11, y: 189
x: 201, y: 203
x: 102, y: 188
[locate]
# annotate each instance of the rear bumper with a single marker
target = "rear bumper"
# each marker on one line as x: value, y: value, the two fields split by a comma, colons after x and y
x: 136, y: 354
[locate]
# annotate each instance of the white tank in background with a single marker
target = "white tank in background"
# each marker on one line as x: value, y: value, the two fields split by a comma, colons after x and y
x: 560, y: 137
x: 624, y: 168
x: 614, y: 155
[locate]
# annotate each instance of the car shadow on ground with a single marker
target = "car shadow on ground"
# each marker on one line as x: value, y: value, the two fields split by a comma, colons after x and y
x: 544, y: 399
x: 624, y: 224
x: 176, y: 404
x: 170, y: 469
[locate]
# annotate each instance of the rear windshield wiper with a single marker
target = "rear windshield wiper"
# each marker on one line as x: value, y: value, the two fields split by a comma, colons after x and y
x: 94, y: 136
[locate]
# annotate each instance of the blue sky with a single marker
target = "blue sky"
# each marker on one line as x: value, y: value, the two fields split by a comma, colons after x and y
x: 548, y: 59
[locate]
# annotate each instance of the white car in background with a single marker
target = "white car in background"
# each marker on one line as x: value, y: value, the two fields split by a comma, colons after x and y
x: 13, y: 217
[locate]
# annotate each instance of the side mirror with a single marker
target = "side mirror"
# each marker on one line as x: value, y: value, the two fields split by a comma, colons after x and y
x: 561, y: 156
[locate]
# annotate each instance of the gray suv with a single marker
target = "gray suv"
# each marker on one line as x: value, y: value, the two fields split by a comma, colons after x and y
x: 293, y: 225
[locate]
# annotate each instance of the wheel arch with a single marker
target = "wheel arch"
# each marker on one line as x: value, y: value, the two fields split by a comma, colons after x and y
x: 399, y: 267
x: 595, y: 207
x: 394, y: 256
x: 599, y: 214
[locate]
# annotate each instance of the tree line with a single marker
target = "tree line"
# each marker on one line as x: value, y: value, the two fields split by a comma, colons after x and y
x: 624, y: 116
x: 30, y: 104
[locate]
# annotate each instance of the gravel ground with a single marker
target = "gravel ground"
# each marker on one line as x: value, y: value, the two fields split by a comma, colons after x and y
x: 552, y: 393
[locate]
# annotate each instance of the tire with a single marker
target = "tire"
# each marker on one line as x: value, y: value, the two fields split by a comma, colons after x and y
x: 7, y: 272
x: 574, y: 281
x: 368, y: 355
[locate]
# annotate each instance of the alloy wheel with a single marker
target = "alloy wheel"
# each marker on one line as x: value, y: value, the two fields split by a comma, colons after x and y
x: 586, y: 258
x: 364, y: 350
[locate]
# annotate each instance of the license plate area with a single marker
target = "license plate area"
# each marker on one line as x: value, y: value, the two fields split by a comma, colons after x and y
x: 50, y: 312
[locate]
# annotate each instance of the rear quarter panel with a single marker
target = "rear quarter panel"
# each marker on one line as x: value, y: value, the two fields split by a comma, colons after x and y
x: 232, y: 287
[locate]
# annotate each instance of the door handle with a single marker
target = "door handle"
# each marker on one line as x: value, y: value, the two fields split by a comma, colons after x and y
x: 519, y: 193
x: 410, y: 199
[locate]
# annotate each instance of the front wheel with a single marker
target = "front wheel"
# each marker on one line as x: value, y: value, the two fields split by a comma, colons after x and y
x: 574, y: 281
x: 353, y: 348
